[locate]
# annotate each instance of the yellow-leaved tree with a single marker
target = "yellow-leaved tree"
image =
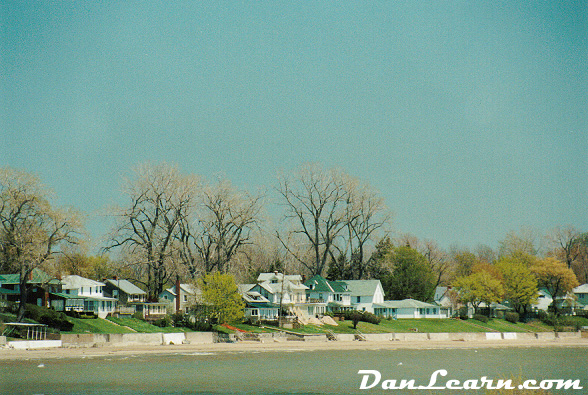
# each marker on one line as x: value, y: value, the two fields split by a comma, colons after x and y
x: 221, y: 295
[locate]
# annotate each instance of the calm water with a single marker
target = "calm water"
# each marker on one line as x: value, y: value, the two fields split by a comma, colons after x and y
x: 292, y: 372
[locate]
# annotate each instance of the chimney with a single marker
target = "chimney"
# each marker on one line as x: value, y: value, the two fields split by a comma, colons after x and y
x: 178, y: 294
x: 31, y: 275
x: 46, y: 299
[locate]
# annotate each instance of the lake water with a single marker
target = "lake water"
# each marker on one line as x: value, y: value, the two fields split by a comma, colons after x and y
x: 286, y: 372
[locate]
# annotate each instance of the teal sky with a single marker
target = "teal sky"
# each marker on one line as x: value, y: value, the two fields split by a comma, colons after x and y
x: 470, y: 118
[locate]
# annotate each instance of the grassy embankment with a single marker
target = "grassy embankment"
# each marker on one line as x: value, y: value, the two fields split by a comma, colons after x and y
x: 130, y: 325
x: 413, y: 325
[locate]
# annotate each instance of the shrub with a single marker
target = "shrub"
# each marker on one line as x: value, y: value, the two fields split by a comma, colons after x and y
x: 138, y: 315
x: 481, y: 318
x: 49, y: 317
x: 463, y: 313
x: 164, y: 322
x: 512, y: 317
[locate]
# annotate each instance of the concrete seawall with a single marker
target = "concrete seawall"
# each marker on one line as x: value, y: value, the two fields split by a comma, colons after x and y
x: 158, y: 339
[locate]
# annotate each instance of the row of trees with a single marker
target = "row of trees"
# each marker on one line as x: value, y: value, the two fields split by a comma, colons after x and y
x: 174, y: 223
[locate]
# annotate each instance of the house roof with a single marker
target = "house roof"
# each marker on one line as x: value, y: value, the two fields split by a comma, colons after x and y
x: 244, y: 287
x: 126, y: 286
x: 38, y: 277
x: 76, y: 282
x: 582, y: 289
x: 362, y: 287
x: 404, y: 304
x: 278, y: 277
x: 439, y: 293
x: 187, y: 288
x: 254, y: 297
x: 320, y: 284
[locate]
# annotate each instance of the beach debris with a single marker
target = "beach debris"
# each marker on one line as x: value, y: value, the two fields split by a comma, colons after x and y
x: 41, y: 365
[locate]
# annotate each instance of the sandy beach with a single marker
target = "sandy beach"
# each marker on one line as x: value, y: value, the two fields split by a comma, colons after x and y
x: 7, y: 354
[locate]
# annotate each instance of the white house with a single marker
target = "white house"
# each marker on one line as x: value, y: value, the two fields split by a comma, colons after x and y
x: 543, y: 300
x: 364, y: 294
x: 279, y: 288
x: 409, y: 308
x: 86, y: 296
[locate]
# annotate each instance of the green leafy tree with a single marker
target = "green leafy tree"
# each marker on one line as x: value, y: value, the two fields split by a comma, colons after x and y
x: 220, y: 293
x: 520, y: 284
x: 411, y: 276
x: 479, y: 287
x: 555, y: 277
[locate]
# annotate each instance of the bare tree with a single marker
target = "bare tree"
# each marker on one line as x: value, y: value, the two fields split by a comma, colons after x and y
x: 160, y: 200
x: 524, y: 241
x: 221, y: 225
x: 315, y: 203
x: 566, y: 244
x: 32, y: 231
x: 366, y: 216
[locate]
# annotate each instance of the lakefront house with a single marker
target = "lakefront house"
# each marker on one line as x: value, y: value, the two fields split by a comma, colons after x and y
x: 83, y: 295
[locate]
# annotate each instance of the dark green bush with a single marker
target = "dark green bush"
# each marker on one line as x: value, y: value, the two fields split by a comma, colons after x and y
x: 138, y: 315
x: 481, y: 318
x: 49, y: 317
x: 164, y: 322
x: 363, y: 316
x: 463, y: 313
x: 512, y: 317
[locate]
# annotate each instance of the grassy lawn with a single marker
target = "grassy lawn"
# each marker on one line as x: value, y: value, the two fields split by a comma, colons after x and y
x: 144, y: 327
x: 421, y: 325
x: 95, y: 325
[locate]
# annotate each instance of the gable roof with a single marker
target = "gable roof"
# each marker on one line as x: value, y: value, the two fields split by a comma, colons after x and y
x: 362, y: 287
x: 320, y: 284
x: 582, y: 289
x: 126, y: 286
x: 75, y: 282
x: 38, y: 277
x: 278, y: 277
x: 439, y: 293
x: 185, y: 288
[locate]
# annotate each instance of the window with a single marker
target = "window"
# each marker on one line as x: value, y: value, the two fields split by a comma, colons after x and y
x: 185, y: 298
x: 255, y: 312
x: 338, y: 297
x: 358, y: 299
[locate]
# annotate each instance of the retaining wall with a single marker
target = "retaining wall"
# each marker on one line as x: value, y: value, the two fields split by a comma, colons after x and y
x: 199, y: 337
x: 411, y: 336
x: 467, y: 336
x: 174, y: 338
x: 509, y: 335
x: 315, y: 338
x: 379, y: 337
x: 545, y: 335
x: 569, y: 335
x: 493, y: 336
x: 2, y: 340
x: 34, y: 344
x: 345, y: 337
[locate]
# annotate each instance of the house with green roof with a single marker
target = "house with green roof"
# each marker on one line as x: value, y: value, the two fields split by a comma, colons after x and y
x: 40, y: 285
x: 324, y: 296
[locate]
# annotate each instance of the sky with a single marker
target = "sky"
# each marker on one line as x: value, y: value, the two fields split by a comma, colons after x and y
x: 469, y: 118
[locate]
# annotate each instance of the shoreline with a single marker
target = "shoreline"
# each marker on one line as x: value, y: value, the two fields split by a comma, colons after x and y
x: 8, y: 354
